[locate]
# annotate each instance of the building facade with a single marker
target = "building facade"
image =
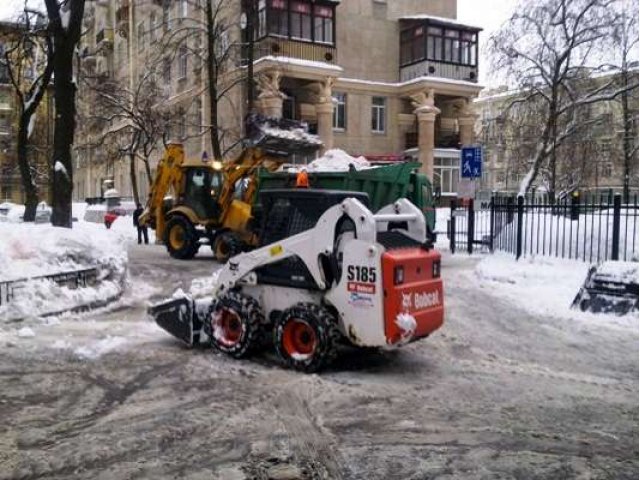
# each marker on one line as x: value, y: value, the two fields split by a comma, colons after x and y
x: 591, y: 161
x: 379, y: 78
x: 41, y: 139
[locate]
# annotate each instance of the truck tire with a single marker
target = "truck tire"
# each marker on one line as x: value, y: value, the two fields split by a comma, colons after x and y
x: 235, y: 324
x: 306, y: 337
x: 181, y: 238
x: 225, y: 246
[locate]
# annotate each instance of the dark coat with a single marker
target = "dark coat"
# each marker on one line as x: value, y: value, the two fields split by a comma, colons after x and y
x: 136, y: 216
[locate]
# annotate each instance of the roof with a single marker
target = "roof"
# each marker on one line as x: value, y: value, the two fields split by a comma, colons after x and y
x: 441, y: 21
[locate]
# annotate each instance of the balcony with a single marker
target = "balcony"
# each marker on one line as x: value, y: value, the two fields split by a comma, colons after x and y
x: 431, y: 68
x: 283, y: 47
x: 122, y: 18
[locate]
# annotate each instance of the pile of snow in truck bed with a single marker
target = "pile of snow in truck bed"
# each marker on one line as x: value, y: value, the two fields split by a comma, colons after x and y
x: 337, y: 160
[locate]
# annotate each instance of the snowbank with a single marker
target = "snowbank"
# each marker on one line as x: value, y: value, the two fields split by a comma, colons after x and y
x: 542, y: 286
x: 34, y: 250
x: 337, y: 160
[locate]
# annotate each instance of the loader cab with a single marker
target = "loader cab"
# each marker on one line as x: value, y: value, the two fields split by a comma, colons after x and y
x: 201, y: 190
x: 285, y: 212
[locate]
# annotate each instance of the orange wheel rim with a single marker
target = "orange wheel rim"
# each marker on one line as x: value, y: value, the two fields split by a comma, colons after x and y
x: 299, y: 339
x: 227, y: 327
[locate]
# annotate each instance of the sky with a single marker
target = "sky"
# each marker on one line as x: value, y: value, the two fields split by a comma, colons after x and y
x: 487, y: 14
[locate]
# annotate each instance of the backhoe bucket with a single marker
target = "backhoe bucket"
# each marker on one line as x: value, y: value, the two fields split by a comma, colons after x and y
x: 175, y: 315
x: 281, y: 137
x: 611, y: 287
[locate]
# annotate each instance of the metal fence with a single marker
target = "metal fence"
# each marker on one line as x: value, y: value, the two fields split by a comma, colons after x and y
x: 590, y: 229
x: 72, y: 279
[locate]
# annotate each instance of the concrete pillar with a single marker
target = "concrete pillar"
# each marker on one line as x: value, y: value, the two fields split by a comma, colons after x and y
x: 272, y: 106
x: 467, y: 132
x: 324, y: 113
x: 426, y: 138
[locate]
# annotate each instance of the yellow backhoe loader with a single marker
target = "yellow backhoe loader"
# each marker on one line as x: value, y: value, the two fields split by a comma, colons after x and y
x: 197, y: 201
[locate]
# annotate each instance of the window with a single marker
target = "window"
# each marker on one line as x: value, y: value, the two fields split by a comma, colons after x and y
x: 297, y: 19
x: 446, y: 173
x: 279, y: 18
x: 141, y: 36
x: 378, y: 107
x: 166, y: 71
x: 153, y: 26
x: 167, y: 14
x: 183, y: 57
x: 607, y: 170
x: 184, y: 8
x: 323, y: 24
x: 301, y: 20
x: 262, y: 18
x: 438, y: 44
x: 340, y: 111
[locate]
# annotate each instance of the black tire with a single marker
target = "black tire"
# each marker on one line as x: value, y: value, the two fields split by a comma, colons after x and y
x: 181, y: 238
x: 304, y: 354
x: 235, y: 325
x: 225, y: 246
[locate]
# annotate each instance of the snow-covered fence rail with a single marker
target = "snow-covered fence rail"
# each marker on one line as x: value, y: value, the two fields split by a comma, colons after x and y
x: 602, y: 229
x: 73, y: 279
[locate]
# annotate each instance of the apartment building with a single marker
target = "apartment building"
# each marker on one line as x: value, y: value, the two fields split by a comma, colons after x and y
x: 592, y: 160
x: 383, y: 79
x: 41, y: 139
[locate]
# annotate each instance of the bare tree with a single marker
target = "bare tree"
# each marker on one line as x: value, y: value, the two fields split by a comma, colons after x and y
x: 28, y: 61
x: 550, y: 49
x: 65, y: 23
x: 135, y: 120
x: 214, y: 23
x: 625, y: 41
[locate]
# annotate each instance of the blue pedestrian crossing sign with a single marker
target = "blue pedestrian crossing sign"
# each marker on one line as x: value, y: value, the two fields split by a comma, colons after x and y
x: 471, y: 162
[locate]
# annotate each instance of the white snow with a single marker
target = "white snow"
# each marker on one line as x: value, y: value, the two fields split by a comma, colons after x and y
x: 542, y: 286
x: 293, y: 134
x: 622, y: 272
x: 25, y: 332
x: 11, y: 212
x: 59, y: 167
x: 448, y: 21
x: 32, y: 122
x: 337, y: 160
x: 99, y: 348
x: 407, y: 323
x: 65, y: 16
x: 203, y: 286
x: 300, y: 357
x: 297, y: 61
x: 425, y: 78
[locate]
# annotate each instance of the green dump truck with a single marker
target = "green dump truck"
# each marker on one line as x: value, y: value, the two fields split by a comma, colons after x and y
x: 383, y: 184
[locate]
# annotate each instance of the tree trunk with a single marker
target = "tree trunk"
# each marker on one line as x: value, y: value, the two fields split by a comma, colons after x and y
x: 212, y: 87
x: 27, y: 176
x: 66, y: 38
x: 134, y: 178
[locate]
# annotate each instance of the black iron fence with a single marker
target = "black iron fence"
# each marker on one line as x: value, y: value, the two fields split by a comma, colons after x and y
x: 590, y: 229
x: 73, y: 279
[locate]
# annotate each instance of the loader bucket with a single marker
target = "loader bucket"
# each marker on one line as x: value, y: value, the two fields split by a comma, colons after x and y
x: 281, y: 137
x: 611, y: 287
x: 175, y: 315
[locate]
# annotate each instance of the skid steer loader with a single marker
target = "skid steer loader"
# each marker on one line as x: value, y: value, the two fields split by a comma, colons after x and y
x: 320, y: 279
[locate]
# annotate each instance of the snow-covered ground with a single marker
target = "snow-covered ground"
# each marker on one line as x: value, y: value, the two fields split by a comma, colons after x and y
x: 543, y: 286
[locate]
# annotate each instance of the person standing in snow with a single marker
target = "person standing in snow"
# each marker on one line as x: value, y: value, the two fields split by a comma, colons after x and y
x: 142, y: 229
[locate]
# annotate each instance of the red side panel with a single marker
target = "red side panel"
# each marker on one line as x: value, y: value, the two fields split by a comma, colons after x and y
x: 419, y: 294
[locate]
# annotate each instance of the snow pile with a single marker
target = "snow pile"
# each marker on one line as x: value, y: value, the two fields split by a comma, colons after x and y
x: 34, y: 250
x: 541, y: 285
x: 294, y: 134
x: 619, y: 272
x: 407, y: 324
x: 99, y: 348
x: 203, y: 286
x: 11, y: 212
x: 337, y: 160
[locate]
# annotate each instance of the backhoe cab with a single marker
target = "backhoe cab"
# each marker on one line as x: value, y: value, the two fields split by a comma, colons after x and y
x: 196, y: 201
